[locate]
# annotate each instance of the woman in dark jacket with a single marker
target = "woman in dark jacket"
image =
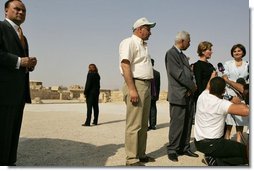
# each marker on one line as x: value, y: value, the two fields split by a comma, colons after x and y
x: 202, y: 68
x: 91, y: 92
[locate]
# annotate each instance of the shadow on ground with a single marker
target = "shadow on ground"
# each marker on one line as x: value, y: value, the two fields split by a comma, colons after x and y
x: 162, y: 125
x: 59, y: 152
x: 163, y: 150
x: 110, y: 122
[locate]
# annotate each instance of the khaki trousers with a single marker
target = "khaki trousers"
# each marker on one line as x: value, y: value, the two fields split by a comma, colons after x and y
x: 137, y: 121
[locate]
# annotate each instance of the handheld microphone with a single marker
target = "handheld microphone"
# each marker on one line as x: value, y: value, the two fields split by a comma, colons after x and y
x: 220, y: 67
x: 248, y: 76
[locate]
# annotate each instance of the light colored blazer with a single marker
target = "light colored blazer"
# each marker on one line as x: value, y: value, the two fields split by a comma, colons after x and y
x: 234, y: 73
x: 180, y: 77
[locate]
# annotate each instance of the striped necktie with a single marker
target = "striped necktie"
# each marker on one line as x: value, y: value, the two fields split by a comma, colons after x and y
x: 21, y: 37
x: 23, y: 43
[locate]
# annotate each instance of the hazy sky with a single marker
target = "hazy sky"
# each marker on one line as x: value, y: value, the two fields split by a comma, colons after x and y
x: 67, y: 35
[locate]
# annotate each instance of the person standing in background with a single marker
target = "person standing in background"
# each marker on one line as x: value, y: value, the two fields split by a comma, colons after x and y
x: 181, y: 88
x: 15, y: 65
x: 137, y: 71
x: 155, y: 93
x: 92, y: 92
x: 234, y: 69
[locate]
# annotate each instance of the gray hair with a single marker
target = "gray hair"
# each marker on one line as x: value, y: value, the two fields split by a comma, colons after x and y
x: 182, y: 35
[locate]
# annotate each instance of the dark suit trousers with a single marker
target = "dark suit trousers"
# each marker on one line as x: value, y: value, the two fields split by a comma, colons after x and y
x: 153, y: 114
x: 180, y: 127
x: 92, y: 103
x: 10, y: 125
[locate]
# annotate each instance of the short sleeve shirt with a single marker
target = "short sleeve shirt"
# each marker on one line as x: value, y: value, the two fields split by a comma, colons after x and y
x: 135, y: 51
x: 210, y: 116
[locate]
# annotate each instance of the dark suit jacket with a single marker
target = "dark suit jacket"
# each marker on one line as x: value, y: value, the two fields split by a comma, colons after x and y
x: 180, y: 77
x: 92, y: 87
x: 14, y: 83
x: 202, y: 72
x: 157, y: 79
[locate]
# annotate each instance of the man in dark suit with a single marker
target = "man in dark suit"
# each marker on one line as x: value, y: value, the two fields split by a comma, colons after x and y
x: 155, y: 92
x: 14, y: 79
x: 180, y: 91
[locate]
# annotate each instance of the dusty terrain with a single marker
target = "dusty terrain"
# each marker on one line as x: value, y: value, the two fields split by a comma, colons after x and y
x: 52, y: 135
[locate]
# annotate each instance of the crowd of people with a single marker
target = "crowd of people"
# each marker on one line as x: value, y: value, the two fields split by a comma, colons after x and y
x: 218, y: 103
x: 192, y: 90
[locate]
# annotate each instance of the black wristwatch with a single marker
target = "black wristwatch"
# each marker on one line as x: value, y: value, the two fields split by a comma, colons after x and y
x: 230, y: 97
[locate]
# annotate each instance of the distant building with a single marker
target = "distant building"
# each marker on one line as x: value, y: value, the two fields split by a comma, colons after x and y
x: 36, y: 85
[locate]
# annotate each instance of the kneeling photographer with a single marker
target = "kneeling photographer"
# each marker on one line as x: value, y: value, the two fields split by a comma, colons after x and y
x: 210, y: 123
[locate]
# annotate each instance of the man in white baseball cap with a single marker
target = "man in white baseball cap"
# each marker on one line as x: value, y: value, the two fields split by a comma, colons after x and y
x: 137, y: 71
x: 143, y: 22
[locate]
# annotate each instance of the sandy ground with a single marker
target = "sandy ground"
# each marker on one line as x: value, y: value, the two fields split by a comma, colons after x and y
x: 52, y: 135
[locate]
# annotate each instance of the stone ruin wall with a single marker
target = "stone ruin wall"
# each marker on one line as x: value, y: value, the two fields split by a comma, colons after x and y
x: 105, y: 95
x: 38, y: 93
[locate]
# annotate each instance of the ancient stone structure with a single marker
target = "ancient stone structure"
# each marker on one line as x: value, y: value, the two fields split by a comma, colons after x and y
x: 75, y: 92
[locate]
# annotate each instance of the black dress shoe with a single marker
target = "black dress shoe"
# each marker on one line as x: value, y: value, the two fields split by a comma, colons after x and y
x: 152, y: 128
x: 147, y: 159
x: 135, y: 164
x: 173, y: 157
x: 190, y: 153
x: 85, y: 124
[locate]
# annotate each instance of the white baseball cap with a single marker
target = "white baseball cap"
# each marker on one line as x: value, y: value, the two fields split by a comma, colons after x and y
x: 141, y: 22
